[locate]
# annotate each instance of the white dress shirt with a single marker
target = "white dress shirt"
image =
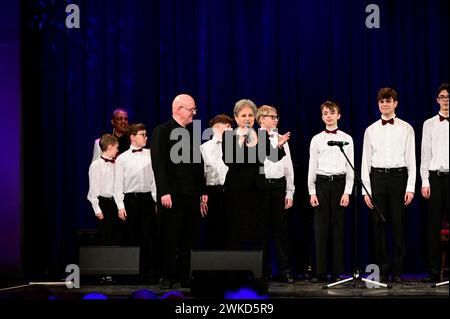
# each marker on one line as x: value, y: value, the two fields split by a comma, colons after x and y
x: 215, y: 169
x: 389, y: 146
x: 329, y: 160
x: 101, y: 182
x: 134, y: 174
x: 97, y: 150
x: 282, y: 168
x: 435, y: 145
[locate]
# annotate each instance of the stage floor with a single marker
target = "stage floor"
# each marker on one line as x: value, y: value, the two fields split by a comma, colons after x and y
x: 411, y: 287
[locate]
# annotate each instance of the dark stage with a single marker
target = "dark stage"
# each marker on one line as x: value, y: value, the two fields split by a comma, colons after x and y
x: 412, y: 287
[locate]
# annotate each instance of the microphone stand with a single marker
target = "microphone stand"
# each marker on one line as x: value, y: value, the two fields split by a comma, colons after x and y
x: 356, y: 276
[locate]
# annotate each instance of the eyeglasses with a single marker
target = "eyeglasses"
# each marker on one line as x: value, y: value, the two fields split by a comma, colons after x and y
x: 273, y: 117
x: 192, y: 111
x: 443, y: 97
x: 143, y: 134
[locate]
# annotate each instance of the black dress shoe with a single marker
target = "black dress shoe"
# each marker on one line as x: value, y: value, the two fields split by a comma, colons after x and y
x: 107, y: 280
x: 166, y: 284
x: 287, y: 277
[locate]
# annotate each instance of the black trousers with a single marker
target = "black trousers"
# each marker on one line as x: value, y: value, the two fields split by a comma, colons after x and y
x: 437, y: 213
x: 278, y: 222
x: 216, y: 218
x: 180, y: 232
x: 247, y: 220
x: 329, y: 219
x: 110, y: 228
x: 388, y: 192
x: 141, y: 230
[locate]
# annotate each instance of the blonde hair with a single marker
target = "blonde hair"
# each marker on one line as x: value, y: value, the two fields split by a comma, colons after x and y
x: 264, y: 110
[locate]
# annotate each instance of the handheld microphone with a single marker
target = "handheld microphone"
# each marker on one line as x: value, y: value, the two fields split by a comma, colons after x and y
x: 337, y: 143
x: 248, y: 137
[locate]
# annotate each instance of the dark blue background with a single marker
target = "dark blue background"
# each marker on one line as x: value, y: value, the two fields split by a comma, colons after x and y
x: 292, y: 54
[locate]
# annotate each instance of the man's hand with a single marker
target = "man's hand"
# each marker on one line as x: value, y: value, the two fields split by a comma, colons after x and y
x: 100, y: 216
x: 204, y: 205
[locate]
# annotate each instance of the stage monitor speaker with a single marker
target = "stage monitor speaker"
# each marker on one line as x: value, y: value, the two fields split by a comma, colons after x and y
x: 215, y: 272
x: 109, y: 260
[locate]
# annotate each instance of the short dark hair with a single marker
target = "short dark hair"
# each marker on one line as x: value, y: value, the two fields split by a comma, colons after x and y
x: 386, y: 93
x: 105, y: 140
x: 114, y: 113
x: 331, y: 106
x: 443, y: 87
x: 133, y: 129
x: 222, y: 118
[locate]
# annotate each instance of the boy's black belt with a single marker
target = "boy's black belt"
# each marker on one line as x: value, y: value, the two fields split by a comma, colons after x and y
x: 389, y: 170
x: 216, y: 187
x: 138, y: 194
x: 106, y: 198
x: 331, y: 178
x: 276, y: 180
x: 439, y: 173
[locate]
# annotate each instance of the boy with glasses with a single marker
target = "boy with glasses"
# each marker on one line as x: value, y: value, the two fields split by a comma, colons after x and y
x: 279, y: 178
x: 135, y: 196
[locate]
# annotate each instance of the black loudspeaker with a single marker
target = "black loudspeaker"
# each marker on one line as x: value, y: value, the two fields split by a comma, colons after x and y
x: 215, y: 272
x: 109, y: 260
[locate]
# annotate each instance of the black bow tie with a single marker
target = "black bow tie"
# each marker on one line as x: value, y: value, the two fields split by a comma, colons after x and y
x: 332, y: 131
x: 390, y: 121
x: 442, y: 118
x: 108, y: 160
x: 137, y: 150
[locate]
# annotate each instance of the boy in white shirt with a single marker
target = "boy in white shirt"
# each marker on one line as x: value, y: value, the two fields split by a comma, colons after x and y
x: 215, y: 174
x: 330, y: 184
x: 279, y: 179
x: 434, y: 170
x: 135, y: 195
x: 389, y: 174
x: 101, y: 184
